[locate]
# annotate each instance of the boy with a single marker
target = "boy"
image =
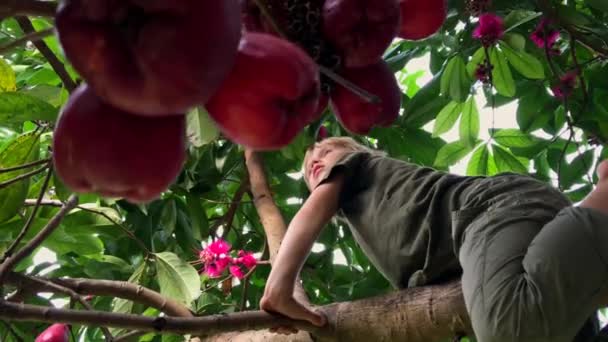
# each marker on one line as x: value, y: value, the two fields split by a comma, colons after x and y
x: 534, y: 267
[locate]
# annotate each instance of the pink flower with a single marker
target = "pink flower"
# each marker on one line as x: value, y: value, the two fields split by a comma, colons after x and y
x: 219, y: 247
x: 247, y: 259
x: 482, y: 72
x: 237, y: 272
x: 213, y: 271
x: 545, y: 36
x: 566, y: 85
x: 489, y: 30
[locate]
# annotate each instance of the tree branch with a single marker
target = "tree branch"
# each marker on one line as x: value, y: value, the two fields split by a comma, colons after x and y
x: 68, y: 82
x: 433, y: 313
x: 53, y: 223
x: 31, y: 37
x: 24, y: 166
x: 22, y: 177
x: 28, y: 7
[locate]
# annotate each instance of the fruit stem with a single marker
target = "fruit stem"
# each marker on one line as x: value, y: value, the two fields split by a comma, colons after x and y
x: 355, y: 89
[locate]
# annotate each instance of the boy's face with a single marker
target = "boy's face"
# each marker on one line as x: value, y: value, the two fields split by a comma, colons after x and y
x: 319, y: 160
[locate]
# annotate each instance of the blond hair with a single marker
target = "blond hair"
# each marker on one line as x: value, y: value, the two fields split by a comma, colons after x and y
x: 346, y: 143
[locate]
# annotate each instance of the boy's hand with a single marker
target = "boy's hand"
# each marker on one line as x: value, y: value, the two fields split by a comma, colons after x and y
x: 288, y: 306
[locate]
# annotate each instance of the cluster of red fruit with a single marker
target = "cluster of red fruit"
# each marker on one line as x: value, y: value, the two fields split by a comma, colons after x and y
x: 147, y: 62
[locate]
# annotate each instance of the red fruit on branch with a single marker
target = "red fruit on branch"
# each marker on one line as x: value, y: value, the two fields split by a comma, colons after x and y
x: 55, y: 333
x: 354, y: 113
x: 360, y: 30
x: 271, y: 94
x: 151, y: 56
x: 421, y: 18
x: 102, y: 149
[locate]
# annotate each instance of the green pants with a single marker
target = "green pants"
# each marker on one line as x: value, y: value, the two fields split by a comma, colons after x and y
x: 534, y: 267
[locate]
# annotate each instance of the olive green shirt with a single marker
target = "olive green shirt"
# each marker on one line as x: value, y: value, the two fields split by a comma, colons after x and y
x: 400, y: 215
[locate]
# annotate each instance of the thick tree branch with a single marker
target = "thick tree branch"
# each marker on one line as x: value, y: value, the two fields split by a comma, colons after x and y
x: 31, y: 37
x: 53, y: 223
x: 423, y: 314
x: 68, y: 82
x: 28, y: 7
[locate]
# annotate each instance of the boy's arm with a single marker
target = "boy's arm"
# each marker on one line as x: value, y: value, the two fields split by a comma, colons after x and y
x: 302, y: 233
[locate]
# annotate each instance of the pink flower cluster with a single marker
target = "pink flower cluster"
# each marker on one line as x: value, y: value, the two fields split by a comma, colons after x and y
x: 216, y: 259
x: 489, y: 30
x: 545, y: 36
x: 565, y: 86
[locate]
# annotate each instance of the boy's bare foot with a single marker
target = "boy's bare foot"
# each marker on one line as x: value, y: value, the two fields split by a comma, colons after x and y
x: 598, y: 198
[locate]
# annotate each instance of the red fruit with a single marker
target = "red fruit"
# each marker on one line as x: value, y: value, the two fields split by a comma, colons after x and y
x: 152, y: 57
x: 360, y: 30
x: 421, y: 18
x: 55, y: 333
x: 102, y: 149
x: 359, y: 116
x: 271, y: 94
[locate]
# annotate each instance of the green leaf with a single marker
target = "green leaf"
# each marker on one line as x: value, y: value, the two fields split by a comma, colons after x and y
x: 576, y: 170
x: 469, y: 123
x: 451, y: 153
x: 21, y: 150
x: 177, y: 279
x: 455, y: 81
x: 479, y: 164
x: 168, y: 216
x: 425, y: 105
x: 501, y: 74
x: 507, y: 162
x: 513, y: 137
x: 600, y: 5
x: 198, y: 217
x: 120, y: 305
x: 515, y: 41
x: 7, y: 77
x: 19, y: 107
x: 524, y: 63
x: 447, y: 118
x: 478, y: 58
x: 201, y: 129
x: 516, y: 18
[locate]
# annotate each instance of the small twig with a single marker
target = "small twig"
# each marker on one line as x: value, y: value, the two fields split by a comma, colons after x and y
x: 50, y: 227
x: 30, y: 219
x: 579, y: 72
x: 68, y: 82
x: 22, y: 177
x: 56, y: 203
x: 24, y: 166
x: 236, y: 201
x: 30, y: 37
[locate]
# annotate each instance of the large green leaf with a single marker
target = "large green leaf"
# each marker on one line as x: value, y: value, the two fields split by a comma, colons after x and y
x: 455, y: 81
x: 447, y: 118
x: 469, y: 123
x: 600, y: 5
x: 501, y: 74
x: 519, y: 17
x: 451, y: 153
x: 481, y: 162
x: 513, y: 137
x: 507, y: 162
x: 21, y: 150
x: 177, y: 279
x: 201, y: 129
x: 478, y: 58
x: 571, y: 173
x: 524, y: 63
x: 425, y: 105
x: 19, y: 107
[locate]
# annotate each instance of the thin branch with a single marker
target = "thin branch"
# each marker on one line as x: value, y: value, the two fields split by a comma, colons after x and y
x: 28, y: 7
x: 56, y: 203
x: 579, y: 72
x: 11, y: 249
x: 56, y: 64
x: 236, y: 201
x: 24, y: 166
x: 22, y: 177
x: 50, y: 227
x: 30, y: 37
